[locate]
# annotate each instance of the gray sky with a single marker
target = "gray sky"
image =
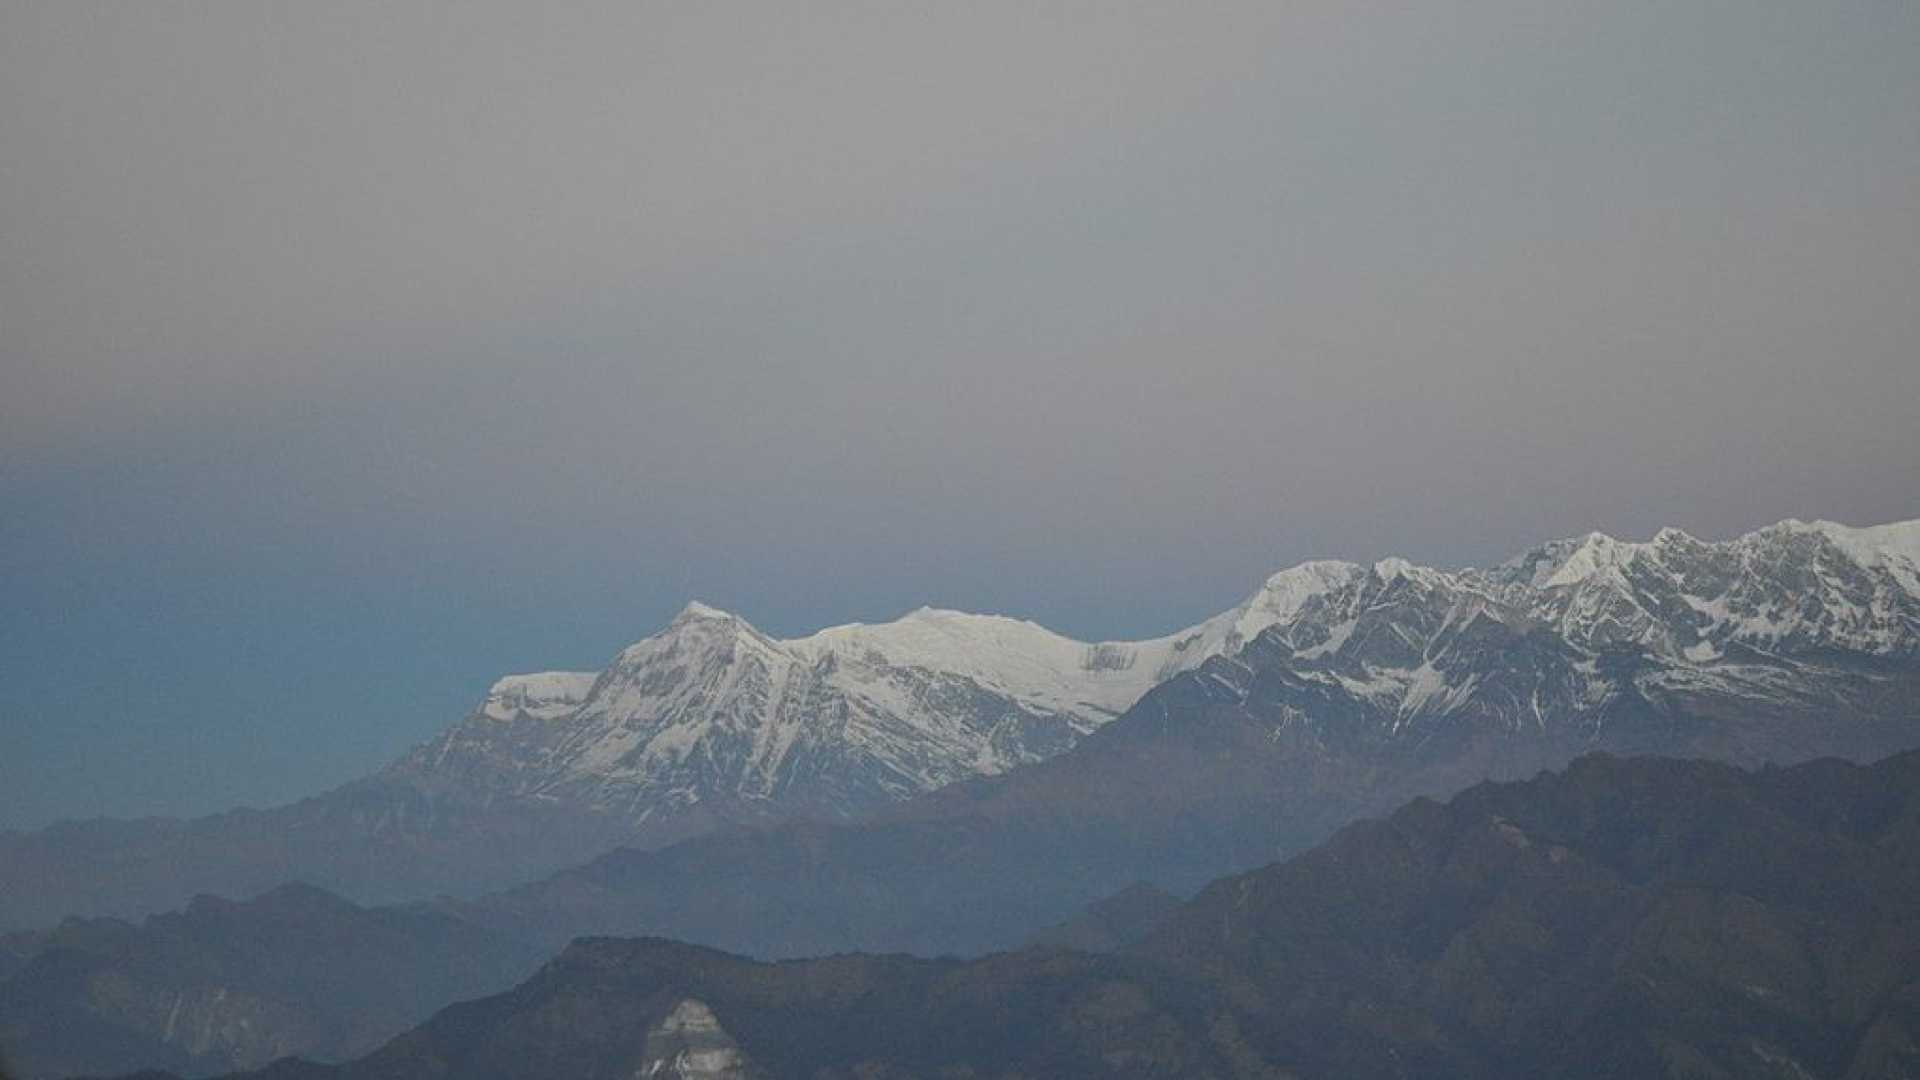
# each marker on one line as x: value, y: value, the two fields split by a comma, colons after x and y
x: 352, y: 354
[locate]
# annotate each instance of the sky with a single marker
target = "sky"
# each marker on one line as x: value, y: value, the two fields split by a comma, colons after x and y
x: 352, y: 355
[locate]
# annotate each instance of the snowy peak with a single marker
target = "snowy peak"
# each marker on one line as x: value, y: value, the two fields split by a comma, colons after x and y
x: 1544, y: 637
x: 1568, y: 562
x: 701, y: 623
x: 1018, y: 659
x: 1287, y: 593
x: 698, y: 628
x: 1595, y: 554
x: 1894, y: 547
x: 695, y: 611
x: 1286, y: 598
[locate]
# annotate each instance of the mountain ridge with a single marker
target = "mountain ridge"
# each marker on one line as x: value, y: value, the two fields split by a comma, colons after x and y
x: 712, y: 723
x: 1596, y: 590
x: 1382, y: 683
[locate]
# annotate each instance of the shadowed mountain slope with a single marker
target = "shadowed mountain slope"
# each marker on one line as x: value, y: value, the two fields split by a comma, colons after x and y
x: 1113, y: 923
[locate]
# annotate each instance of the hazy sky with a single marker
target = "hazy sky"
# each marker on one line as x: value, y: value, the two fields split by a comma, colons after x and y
x: 352, y: 355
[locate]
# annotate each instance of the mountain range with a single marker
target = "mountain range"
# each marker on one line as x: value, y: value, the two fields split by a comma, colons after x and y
x: 1382, y: 683
x: 711, y: 723
x: 1339, y: 691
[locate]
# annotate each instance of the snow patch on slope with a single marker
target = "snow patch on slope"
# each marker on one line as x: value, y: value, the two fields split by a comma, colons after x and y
x: 543, y: 695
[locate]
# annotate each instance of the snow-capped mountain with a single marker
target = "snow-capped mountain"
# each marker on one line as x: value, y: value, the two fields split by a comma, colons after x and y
x: 1790, y: 616
x: 1357, y: 688
x: 1793, y: 641
x: 711, y: 720
x: 1795, y: 587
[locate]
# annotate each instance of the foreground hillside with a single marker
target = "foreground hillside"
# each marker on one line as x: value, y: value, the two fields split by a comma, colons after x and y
x: 1628, y: 917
